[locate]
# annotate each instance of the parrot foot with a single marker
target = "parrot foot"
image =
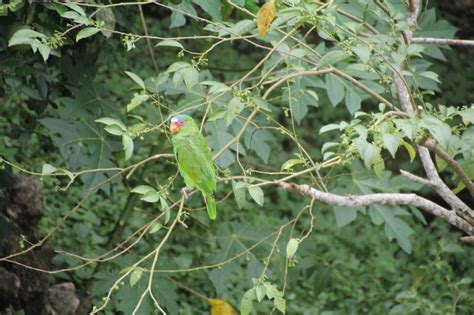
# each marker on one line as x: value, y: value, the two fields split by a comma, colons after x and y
x: 185, y: 192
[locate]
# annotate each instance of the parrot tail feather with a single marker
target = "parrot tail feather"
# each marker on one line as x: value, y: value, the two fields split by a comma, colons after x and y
x: 211, y: 207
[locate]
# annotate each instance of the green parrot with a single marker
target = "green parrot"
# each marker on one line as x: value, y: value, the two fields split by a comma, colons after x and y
x: 194, y: 159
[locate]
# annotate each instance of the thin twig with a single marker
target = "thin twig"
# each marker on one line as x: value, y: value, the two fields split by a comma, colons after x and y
x: 148, y: 41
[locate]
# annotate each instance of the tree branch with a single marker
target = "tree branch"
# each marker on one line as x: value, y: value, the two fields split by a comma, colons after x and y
x: 468, y: 240
x: 339, y: 73
x: 433, y: 146
x: 405, y: 100
x: 442, y: 41
x: 416, y: 179
x: 148, y: 42
x: 381, y: 199
x: 440, y: 187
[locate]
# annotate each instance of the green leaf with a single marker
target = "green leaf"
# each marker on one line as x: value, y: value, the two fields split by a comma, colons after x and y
x: 334, y: 88
x: 260, y: 292
x: 392, y: 142
x: 353, y: 101
x: 234, y: 108
x: 71, y: 15
x: 48, y: 169
x: 292, y: 247
x: 211, y: 7
x: 136, y: 101
x: 151, y: 196
x: 86, y: 32
x: 239, y: 193
x: 332, y: 57
x: 345, y: 215
x: 170, y: 43
x: 191, y: 77
x: 379, y: 166
x: 415, y: 50
x: 136, y: 78
x: 44, y: 51
x: 363, y: 52
x: 111, y: 121
x: 329, y: 145
x: 280, y: 304
x: 468, y: 114
x: 218, y: 137
x: 418, y: 214
x: 24, y: 36
x: 440, y: 130
x: 16, y: 5
x: 261, y: 103
x: 246, y: 305
x: 402, y: 309
x: 257, y: 194
x: 106, y: 19
x: 76, y: 8
x: 467, y: 140
x: 166, y: 209
x: 178, y: 65
x: 155, y: 227
x: 288, y: 165
x: 430, y: 75
x: 408, y: 127
x: 395, y: 228
x: 142, y: 189
x: 127, y: 143
x: 411, y: 151
x: 329, y: 127
x: 429, y: 26
x: 216, y: 87
x: 114, y: 130
x: 440, y: 163
x: 135, y: 276
x: 276, y: 295
x: 299, y: 108
x: 367, y: 151
x: 177, y: 18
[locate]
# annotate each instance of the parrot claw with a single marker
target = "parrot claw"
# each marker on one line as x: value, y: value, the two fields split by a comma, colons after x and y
x: 185, y: 192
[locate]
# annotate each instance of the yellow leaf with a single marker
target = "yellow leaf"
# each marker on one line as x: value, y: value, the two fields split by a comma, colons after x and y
x: 221, y: 307
x: 265, y: 16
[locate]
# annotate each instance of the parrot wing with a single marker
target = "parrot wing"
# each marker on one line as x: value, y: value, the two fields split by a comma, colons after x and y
x: 195, y: 163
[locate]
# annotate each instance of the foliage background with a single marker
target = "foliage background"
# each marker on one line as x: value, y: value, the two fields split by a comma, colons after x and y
x: 344, y: 266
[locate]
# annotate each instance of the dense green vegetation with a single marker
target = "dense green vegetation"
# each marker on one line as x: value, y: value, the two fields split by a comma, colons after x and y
x: 85, y: 101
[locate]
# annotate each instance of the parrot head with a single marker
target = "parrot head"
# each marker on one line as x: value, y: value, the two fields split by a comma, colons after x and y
x: 177, y: 123
x: 183, y: 123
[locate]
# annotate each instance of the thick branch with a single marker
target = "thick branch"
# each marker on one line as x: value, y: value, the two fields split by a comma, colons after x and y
x: 405, y: 100
x: 440, y: 187
x: 408, y: 199
x: 442, y: 41
x: 468, y: 240
x: 433, y: 146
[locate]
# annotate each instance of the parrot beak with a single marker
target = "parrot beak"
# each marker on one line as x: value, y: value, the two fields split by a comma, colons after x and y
x: 174, y: 128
